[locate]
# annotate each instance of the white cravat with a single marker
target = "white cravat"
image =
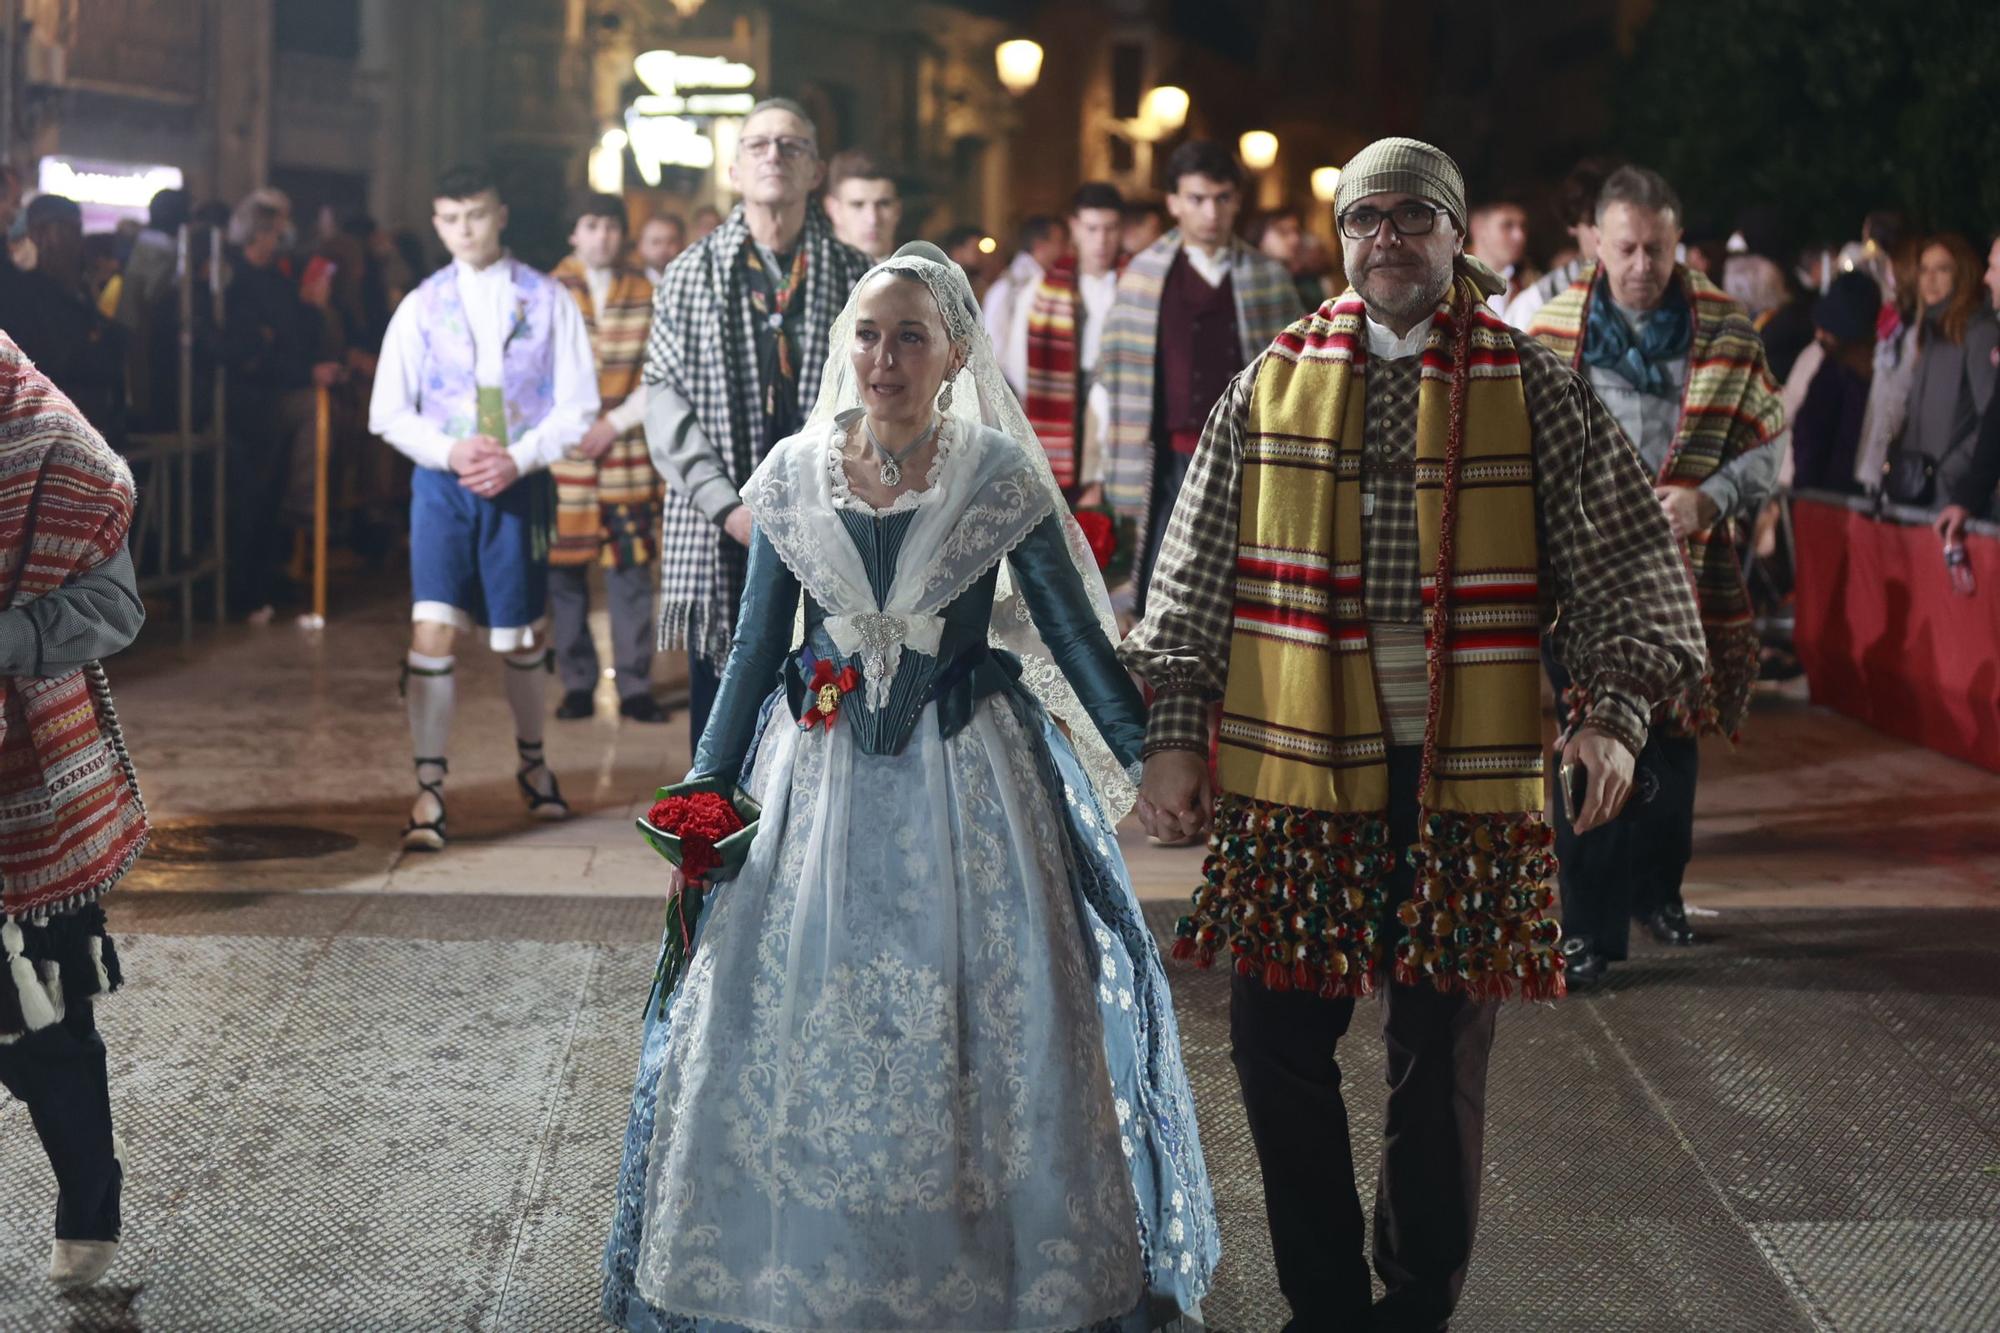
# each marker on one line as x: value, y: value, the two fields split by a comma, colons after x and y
x: 1212, y: 265
x: 488, y: 297
x: 1386, y: 346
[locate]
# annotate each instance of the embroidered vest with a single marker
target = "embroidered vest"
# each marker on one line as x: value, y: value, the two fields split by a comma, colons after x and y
x: 449, y: 395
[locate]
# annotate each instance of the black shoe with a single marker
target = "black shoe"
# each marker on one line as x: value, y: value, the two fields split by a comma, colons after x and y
x: 642, y: 708
x: 1669, y: 925
x: 575, y: 704
x: 1583, y: 965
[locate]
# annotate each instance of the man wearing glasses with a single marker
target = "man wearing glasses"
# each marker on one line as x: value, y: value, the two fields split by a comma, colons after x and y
x: 1382, y: 513
x: 733, y: 361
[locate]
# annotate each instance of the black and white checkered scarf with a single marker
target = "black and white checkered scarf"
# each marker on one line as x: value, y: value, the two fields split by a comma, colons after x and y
x: 701, y: 346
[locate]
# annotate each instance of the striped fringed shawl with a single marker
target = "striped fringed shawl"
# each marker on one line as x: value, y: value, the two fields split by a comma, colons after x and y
x: 1053, y: 335
x: 1266, y: 301
x: 609, y: 510
x: 701, y: 347
x: 71, y: 821
x: 1297, y: 869
x: 1730, y: 405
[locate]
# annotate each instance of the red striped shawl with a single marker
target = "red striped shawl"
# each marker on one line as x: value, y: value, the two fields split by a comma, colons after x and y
x: 71, y: 819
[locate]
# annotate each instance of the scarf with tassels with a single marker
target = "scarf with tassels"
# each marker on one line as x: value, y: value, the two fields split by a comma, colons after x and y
x: 1729, y: 406
x: 1300, y: 860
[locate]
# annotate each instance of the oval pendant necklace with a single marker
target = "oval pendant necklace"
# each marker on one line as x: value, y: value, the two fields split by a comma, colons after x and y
x: 892, y: 462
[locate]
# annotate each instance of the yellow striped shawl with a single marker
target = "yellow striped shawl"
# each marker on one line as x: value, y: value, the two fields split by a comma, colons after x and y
x: 1294, y: 882
x: 608, y: 510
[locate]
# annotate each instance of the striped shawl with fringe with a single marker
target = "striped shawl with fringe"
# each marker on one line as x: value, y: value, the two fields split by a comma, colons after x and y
x: 1730, y: 405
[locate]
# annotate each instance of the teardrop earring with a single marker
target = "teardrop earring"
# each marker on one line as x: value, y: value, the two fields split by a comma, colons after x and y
x: 944, y: 399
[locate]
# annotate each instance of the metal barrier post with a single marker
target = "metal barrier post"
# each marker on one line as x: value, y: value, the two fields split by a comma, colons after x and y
x: 220, y: 425
x: 322, y: 447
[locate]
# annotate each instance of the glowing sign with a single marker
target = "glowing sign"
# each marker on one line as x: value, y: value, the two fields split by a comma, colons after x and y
x: 106, y: 184
x: 668, y: 72
x: 666, y: 141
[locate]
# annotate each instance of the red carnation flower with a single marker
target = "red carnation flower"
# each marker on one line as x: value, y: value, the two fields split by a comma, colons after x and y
x: 700, y: 820
x: 1101, y: 533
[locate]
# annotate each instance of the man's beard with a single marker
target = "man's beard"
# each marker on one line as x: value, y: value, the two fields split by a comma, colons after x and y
x: 1401, y: 295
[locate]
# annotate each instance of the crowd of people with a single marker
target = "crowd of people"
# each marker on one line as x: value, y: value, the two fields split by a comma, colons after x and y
x: 1168, y: 510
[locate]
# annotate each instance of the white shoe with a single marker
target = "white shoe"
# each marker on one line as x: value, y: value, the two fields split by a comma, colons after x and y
x: 80, y: 1263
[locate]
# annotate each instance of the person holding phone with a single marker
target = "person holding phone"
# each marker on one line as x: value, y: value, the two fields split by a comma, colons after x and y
x: 1383, y: 512
x: 1680, y: 365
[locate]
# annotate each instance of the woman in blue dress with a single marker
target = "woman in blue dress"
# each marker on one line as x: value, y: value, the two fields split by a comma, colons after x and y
x: 922, y: 1072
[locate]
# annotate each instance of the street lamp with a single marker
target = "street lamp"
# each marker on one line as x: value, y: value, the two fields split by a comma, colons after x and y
x: 1326, y: 184
x: 1163, y: 111
x: 1259, y: 149
x: 1019, y: 63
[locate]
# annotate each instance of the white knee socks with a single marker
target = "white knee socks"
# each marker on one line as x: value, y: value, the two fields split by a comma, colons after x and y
x: 527, y: 692
x: 432, y: 694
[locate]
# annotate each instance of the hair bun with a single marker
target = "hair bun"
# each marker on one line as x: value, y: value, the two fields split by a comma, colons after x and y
x: 922, y: 250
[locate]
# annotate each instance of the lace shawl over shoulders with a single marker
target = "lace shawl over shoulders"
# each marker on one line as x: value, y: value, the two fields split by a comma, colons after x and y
x: 985, y: 500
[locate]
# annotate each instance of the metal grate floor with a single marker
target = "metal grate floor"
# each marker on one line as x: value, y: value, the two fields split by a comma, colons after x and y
x: 385, y: 1113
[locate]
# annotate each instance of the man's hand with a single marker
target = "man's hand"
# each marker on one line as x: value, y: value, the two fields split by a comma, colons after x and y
x: 1176, y: 799
x: 1091, y: 496
x: 1610, y: 766
x: 470, y: 452
x: 328, y: 373
x: 737, y: 524
x: 1688, y: 509
x: 491, y: 476
x: 597, y: 441
x: 1950, y: 523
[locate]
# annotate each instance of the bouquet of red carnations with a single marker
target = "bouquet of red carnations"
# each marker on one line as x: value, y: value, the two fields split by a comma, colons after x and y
x: 1111, y: 538
x: 704, y: 828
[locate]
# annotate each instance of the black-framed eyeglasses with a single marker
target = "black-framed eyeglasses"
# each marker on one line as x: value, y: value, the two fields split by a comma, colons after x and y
x: 790, y: 147
x: 1409, y: 219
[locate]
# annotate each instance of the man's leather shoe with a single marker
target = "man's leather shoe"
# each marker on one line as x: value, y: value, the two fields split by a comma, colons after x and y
x: 575, y: 704
x: 1583, y: 965
x: 642, y: 708
x: 1669, y: 925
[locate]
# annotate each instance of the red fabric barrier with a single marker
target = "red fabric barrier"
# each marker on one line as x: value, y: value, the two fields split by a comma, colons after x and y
x: 1884, y: 639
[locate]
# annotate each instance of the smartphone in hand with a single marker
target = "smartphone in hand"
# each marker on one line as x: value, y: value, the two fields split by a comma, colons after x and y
x: 1573, y: 784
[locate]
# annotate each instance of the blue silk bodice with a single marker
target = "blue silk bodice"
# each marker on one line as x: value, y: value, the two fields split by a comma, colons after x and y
x: 962, y: 672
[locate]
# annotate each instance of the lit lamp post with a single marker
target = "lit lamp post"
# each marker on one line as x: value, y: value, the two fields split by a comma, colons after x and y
x: 1162, y: 112
x: 1259, y: 151
x: 1019, y: 63
x: 1326, y: 188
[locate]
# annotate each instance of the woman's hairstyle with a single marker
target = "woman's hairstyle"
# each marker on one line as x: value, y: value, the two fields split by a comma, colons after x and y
x: 958, y: 325
x: 1967, y: 291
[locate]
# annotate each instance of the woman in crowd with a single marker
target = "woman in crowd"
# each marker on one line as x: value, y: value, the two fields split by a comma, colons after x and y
x: 1951, y: 383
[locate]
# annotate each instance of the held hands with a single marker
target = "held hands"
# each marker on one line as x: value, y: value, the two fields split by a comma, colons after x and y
x: 483, y: 465
x: 1609, y: 764
x: 597, y: 441
x: 737, y: 524
x: 1688, y: 510
x: 1176, y: 798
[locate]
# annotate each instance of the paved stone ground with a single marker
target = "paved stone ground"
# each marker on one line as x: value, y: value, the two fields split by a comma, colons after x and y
x: 365, y: 1092
x: 402, y: 1113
